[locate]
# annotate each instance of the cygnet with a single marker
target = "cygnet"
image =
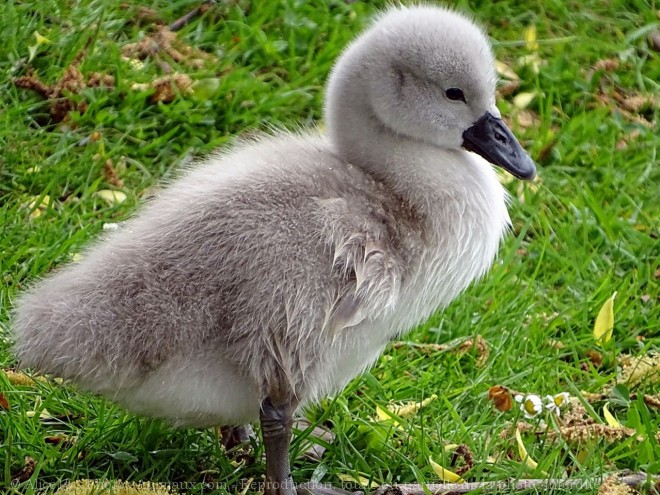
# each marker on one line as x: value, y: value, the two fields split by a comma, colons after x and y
x: 268, y: 276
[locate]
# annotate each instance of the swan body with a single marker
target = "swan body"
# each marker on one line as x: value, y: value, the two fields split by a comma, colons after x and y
x: 278, y: 270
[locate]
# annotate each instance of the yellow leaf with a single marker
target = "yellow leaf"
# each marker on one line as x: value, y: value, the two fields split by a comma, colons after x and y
x: 404, y: 410
x: 530, y: 38
x: 41, y: 40
x: 248, y: 485
x: 44, y: 414
x: 409, y: 408
x: 445, y: 474
x: 604, y: 325
x: 522, y: 100
x: 381, y: 415
x: 360, y: 480
x: 609, y: 418
x: 503, y: 70
x: 529, y: 462
x: 111, y: 197
x: 38, y: 204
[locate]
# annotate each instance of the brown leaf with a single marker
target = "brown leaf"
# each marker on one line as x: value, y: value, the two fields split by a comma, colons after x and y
x: 4, y: 403
x: 508, y: 88
x: 526, y: 119
x: 25, y: 473
x: 595, y: 357
x: 65, y: 441
x: 501, y: 397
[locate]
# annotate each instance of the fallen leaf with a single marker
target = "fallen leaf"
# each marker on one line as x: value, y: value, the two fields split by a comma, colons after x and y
x: 63, y: 440
x: 20, y: 379
x: 359, y: 480
x: 44, y: 414
x: 526, y: 119
x: 522, y: 100
x: 26, y: 471
x: 4, y: 403
x: 111, y: 197
x: 595, y: 357
x: 508, y: 88
x: 530, y: 38
x: 609, y: 419
x: 501, y: 397
x: 445, y: 474
x: 402, y: 411
x: 505, y: 71
x: 526, y: 458
x: 38, y: 205
x: 604, y: 326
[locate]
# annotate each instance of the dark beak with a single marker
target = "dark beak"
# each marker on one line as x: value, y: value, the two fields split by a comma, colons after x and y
x: 490, y: 138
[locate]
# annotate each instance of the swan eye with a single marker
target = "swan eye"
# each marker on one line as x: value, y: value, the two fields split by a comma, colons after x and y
x: 455, y: 94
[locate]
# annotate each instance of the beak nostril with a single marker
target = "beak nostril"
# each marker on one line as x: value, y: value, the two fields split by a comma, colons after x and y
x: 501, y: 137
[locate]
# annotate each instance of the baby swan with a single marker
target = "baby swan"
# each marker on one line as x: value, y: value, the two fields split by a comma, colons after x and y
x: 269, y: 276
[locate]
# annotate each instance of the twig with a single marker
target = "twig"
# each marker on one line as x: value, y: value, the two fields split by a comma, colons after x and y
x: 185, y: 19
x: 510, y: 486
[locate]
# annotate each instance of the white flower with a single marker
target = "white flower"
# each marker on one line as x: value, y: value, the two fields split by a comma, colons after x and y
x: 561, y: 399
x: 531, y: 405
x: 553, y: 403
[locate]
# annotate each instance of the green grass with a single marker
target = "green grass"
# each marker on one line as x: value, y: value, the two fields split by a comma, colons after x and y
x: 589, y: 229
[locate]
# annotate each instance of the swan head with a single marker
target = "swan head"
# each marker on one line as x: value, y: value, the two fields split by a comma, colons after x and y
x: 428, y: 74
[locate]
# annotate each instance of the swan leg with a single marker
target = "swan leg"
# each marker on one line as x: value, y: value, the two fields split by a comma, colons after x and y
x: 276, y: 423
